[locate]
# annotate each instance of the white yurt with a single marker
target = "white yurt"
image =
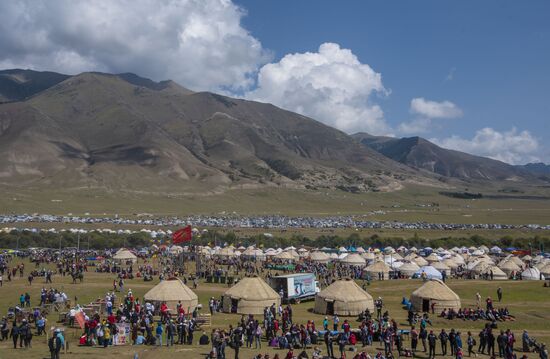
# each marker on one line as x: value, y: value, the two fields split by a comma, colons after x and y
x: 498, y: 274
x: 432, y: 258
x: 420, y: 261
x: 442, y: 267
x: 408, y: 269
x: 434, y: 292
x: 509, y: 267
x: 172, y: 291
x: 355, y: 260
x: 249, y: 296
x: 369, y: 256
x: 285, y: 256
x: 450, y: 262
x: 376, y: 269
x: 545, y: 271
x: 343, y: 297
x: 124, y: 256
x: 319, y: 257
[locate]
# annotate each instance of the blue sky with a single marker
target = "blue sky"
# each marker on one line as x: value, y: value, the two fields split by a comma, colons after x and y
x: 469, y: 75
x: 490, y: 58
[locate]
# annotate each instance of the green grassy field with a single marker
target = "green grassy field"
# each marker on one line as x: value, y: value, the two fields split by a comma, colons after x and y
x: 528, y: 301
x: 405, y: 205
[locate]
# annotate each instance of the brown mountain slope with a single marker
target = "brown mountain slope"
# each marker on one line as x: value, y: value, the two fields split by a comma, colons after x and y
x: 123, y: 132
x: 17, y: 84
x: 420, y: 153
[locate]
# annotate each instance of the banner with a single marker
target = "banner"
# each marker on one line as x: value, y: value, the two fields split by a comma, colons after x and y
x: 79, y: 317
x: 122, y: 336
x: 182, y: 235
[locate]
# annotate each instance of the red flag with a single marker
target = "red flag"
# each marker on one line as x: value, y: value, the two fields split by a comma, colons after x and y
x: 182, y: 235
x: 79, y: 317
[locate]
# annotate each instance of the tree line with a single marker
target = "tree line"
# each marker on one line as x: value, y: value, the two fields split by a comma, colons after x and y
x: 96, y: 240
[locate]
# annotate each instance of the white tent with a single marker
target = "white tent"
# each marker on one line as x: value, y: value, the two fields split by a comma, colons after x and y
x: 429, y: 272
x: 531, y: 274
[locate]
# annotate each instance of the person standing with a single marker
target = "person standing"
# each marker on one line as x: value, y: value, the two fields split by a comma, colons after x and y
x: 499, y: 294
x: 525, y: 340
x: 502, y: 341
x: 25, y: 333
x: 4, y: 330
x: 379, y: 305
x: 490, y: 342
x: 106, y: 336
x: 432, y: 341
x: 414, y: 339
x: 335, y: 321
x: 471, y: 343
x: 482, y: 341
x: 211, y: 306
x: 329, y: 344
x: 452, y: 341
x: 14, y: 334
x: 237, y: 341
x: 258, y: 336
x: 170, y: 332
x: 342, y: 345
x: 158, y: 333
x: 458, y: 343
x: 181, y: 330
x: 387, y: 342
x: 54, y: 344
x: 444, y: 338
x: 423, y: 335
x: 478, y: 300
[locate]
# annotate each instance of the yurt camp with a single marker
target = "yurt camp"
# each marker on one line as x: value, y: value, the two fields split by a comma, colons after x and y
x: 343, y: 297
x: 172, y: 292
x: 434, y: 292
x: 249, y: 296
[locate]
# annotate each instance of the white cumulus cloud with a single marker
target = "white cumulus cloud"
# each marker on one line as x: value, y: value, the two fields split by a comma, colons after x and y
x: 330, y: 85
x: 513, y: 146
x: 433, y: 109
x: 425, y: 111
x: 199, y: 43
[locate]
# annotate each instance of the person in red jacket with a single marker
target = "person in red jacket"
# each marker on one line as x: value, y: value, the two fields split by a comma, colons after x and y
x: 163, y: 310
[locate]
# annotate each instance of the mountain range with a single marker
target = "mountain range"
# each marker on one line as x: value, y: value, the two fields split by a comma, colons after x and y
x: 417, y: 152
x: 125, y: 132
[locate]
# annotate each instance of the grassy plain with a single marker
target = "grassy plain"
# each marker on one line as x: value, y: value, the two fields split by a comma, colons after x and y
x: 414, y: 203
x: 528, y: 301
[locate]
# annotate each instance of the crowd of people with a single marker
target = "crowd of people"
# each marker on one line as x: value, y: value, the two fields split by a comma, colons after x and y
x: 493, y: 314
x: 154, y: 324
